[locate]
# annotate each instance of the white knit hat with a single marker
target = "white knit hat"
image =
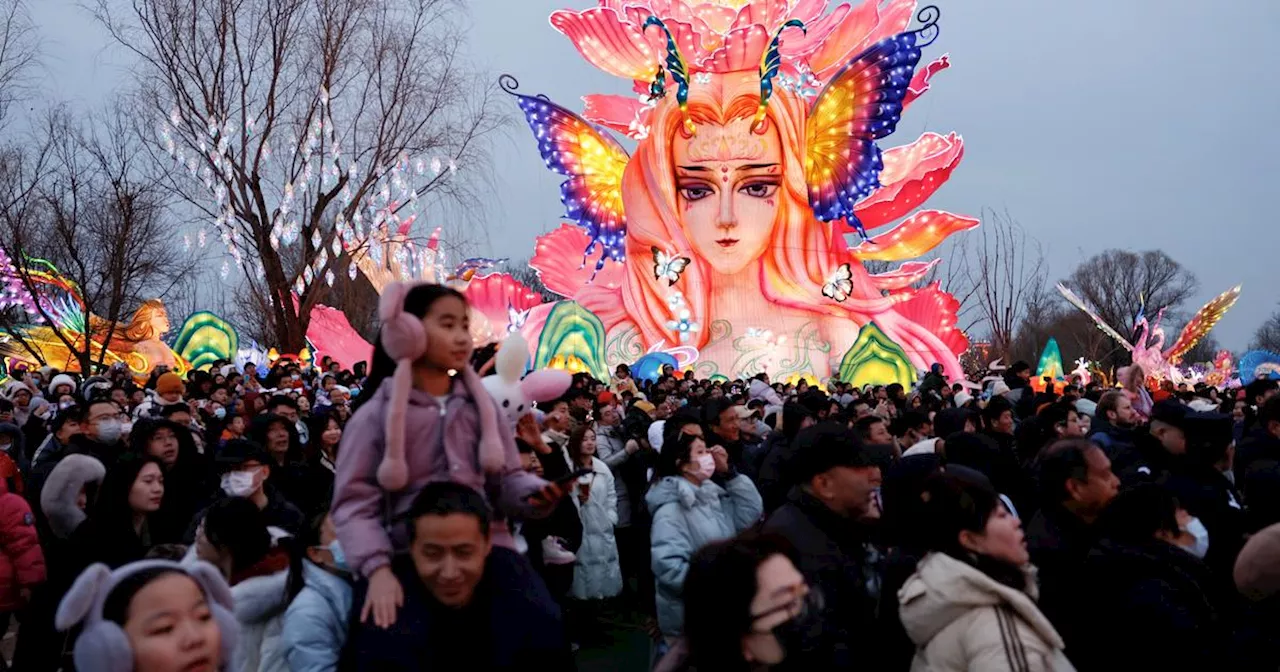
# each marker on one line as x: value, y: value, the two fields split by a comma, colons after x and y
x: 62, y: 379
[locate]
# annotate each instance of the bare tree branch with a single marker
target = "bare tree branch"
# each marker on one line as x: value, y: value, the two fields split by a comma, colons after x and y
x: 303, y: 129
x: 1267, y: 337
x: 19, y: 54
x: 999, y: 272
x: 87, y: 236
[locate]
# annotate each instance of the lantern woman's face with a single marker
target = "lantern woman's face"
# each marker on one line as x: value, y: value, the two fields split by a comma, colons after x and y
x: 727, y: 182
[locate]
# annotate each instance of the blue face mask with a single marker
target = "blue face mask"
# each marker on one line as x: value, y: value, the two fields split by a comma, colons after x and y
x: 339, y: 558
x: 1201, y: 535
x: 219, y: 413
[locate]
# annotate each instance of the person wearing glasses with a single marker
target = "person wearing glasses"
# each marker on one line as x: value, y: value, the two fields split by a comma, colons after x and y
x: 747, y: 607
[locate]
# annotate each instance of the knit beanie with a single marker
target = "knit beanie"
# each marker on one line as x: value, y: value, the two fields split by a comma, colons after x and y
x: 405, y: 340
x: 169, y: 383
x: 62, y: 379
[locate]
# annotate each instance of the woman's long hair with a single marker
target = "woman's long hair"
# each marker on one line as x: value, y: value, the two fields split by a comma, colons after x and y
x: 317, y: 424
x: 111, y: 510
x: 417, y: 302
x: 574, y: 444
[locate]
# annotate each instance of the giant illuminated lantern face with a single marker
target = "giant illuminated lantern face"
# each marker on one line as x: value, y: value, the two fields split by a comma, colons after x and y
x: 723, y: 237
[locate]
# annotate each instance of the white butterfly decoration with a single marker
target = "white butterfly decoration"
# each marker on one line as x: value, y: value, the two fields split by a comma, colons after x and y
x: 515, y: 319
x: 840, y: 284
x: 669, y: 268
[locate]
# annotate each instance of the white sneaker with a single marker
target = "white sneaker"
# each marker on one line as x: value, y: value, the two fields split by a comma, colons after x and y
x: 553, y: 553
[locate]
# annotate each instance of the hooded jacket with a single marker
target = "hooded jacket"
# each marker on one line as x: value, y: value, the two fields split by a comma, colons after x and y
x: 58, y: 497
x: 685, y: 518
x: 962, y: 620
x: 441, y: 445
x: 315, y: 624
x: 188, y: 487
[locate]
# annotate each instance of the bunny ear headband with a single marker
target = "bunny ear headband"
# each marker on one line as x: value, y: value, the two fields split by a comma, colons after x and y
x: 103, y: 645
x: 85, y: 601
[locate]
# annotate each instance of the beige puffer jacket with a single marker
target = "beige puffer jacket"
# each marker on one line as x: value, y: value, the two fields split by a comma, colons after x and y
x: 962, y: 620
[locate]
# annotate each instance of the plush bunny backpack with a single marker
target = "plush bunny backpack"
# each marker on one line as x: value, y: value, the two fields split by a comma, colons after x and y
x: 103, y: 646
x: 515, y: 396
x: 405, y: 340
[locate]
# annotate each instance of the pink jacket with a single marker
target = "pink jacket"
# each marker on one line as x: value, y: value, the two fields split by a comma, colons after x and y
x: 437, y: 449
x: 21, y: 560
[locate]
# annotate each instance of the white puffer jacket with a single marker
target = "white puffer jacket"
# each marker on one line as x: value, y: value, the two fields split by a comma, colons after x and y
x: 962, y: 620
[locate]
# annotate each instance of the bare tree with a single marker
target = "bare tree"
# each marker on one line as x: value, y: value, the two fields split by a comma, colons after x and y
x: 1267, y: 337
x: 1116, y: 282
x: 77, y: 207
x: 1003, y: 270
x: 19, y: 51
x: 301, y: 129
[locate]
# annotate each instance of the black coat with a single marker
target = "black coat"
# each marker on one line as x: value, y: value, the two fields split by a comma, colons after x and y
x: 1059, y: 543
x: 835, y: 556
x: 1112, y: 439
x: 773, y: 482
x: 1257, y: 445
x: 1151, y: 606
x: 511, y: 624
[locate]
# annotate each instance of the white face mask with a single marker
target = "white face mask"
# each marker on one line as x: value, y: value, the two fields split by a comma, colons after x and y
x: 238, y: 483
x: 705, y: 465
x: 1201, y: 546
x: 109, y: 430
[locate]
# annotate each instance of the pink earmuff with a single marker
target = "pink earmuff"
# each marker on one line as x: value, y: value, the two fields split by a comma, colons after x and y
x: 402, y: 334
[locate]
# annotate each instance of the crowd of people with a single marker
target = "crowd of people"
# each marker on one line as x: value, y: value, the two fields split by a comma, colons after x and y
x: 313, y: 518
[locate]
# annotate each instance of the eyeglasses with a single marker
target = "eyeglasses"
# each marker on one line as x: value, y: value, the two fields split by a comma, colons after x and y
x: 801, y: 606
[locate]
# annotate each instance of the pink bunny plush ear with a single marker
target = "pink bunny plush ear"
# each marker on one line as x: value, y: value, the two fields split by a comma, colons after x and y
x: 404, y: 339
x: 545, y: 385
x: 78, y: 602
x: 511, y: 358
x: 492, y: 456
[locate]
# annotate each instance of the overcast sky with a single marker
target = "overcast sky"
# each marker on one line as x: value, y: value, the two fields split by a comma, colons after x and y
x: 1095, y: 123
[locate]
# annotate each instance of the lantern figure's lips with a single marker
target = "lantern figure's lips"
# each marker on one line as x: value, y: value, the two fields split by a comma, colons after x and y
x: 727, y: 242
